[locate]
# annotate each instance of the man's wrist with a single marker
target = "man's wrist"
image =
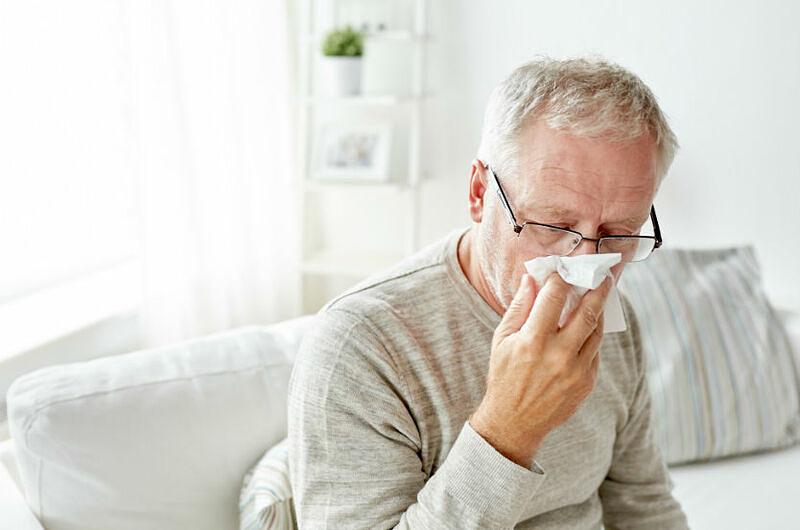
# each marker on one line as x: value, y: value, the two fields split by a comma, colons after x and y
x: 519, y: 449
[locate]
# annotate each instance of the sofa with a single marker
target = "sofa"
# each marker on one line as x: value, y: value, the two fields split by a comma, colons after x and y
x: 161, y: 438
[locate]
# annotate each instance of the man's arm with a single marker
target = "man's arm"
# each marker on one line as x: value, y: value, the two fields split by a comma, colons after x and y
x: 636, y: 493
x: 355, y: 450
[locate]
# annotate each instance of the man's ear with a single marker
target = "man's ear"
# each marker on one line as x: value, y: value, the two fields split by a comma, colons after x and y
x: 478, y: 180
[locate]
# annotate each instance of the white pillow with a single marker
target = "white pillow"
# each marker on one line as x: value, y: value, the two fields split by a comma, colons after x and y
x: 721, y: 371
x: 156, y: 439
x: 266, y: 499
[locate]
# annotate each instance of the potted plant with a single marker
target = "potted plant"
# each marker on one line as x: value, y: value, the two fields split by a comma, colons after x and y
x: 341, y: 62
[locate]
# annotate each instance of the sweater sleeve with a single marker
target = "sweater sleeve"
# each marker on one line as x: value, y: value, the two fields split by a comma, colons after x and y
x: 355, y: 450
x: 637, y: 492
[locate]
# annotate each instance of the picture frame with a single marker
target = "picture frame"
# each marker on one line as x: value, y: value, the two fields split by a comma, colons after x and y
x: 354, y: 152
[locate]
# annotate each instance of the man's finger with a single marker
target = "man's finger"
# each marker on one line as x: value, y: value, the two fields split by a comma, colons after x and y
x: 519, y: 308
x: 586, y: 316
x: 548, y: 305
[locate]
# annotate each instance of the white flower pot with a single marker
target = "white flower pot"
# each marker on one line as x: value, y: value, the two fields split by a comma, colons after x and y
x: 340, y: 76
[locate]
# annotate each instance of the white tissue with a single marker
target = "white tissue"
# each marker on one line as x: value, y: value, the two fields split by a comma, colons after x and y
x: 584, y: 272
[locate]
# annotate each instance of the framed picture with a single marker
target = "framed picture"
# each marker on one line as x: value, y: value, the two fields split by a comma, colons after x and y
x: 354, y: 152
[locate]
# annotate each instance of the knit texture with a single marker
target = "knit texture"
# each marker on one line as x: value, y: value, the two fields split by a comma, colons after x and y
x: 379, y: 399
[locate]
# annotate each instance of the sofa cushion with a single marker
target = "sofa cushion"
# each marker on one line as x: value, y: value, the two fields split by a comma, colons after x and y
x: 159, y: 438
x: 721, y: 370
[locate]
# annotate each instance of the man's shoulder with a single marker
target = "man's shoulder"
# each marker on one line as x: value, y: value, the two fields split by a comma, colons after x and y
x: 354, y: 334
x: 410, y: 286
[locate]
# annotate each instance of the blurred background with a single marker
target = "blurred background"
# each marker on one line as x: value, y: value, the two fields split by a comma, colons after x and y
x: 176, y: 168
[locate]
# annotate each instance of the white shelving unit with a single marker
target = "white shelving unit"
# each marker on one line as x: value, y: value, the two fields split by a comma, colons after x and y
x: 393, y: 205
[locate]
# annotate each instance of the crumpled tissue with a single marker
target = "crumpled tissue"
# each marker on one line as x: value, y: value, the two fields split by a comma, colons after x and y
x: 584, y: 272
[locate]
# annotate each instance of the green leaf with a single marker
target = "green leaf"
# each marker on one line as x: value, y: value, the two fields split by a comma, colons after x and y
x: 345, y: 42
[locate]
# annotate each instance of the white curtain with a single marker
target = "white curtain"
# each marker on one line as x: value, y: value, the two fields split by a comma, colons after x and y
x: 214, y: 155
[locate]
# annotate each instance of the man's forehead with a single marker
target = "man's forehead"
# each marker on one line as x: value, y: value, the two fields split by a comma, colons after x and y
x: 563, y: 194
x: 555, y: 212
x: 586, y: 180
x: 586, y: 165
x: 563, y: 202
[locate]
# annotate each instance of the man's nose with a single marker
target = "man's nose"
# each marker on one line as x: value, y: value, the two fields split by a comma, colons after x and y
x: 586, y: 246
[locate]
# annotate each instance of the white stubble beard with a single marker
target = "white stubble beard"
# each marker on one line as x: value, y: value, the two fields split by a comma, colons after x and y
x: 491, y: 272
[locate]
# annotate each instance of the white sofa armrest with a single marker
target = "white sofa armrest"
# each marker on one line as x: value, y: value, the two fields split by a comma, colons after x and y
x: 157, y: 438
x: 16, y: 513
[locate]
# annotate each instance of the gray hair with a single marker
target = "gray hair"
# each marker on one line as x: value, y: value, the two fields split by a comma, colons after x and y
x: 586, y: 96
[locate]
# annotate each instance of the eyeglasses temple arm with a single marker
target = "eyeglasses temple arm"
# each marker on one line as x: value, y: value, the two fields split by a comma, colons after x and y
x: 656, y: 229
x: 504, y: 200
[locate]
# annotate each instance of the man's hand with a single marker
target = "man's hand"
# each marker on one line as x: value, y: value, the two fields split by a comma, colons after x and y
x: 539, y: 374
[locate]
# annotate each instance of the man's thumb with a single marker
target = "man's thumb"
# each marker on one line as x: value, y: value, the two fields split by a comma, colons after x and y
x: 519, y: 309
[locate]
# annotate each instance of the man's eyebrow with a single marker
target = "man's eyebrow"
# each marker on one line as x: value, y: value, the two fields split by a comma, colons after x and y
x: 559, y: 214
x: 630, y: 221
x: 552, y: 212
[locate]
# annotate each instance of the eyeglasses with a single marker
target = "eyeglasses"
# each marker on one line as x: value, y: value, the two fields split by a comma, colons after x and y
x: 539, y: 239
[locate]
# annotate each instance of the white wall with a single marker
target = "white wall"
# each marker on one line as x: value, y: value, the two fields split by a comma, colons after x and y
x: 726, y: 73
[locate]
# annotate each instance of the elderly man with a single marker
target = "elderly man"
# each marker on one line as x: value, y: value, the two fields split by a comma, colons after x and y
x: 442, y: 393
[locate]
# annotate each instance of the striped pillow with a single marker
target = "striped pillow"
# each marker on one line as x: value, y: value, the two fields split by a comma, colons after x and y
x: 265, y: 501
x: 721, y: 371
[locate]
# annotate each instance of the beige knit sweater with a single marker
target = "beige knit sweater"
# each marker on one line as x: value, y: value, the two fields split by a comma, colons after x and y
x: 378, y: 406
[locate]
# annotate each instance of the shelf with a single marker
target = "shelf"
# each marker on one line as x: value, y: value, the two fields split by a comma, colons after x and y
x: 344, y: 263
x: 391, y: 207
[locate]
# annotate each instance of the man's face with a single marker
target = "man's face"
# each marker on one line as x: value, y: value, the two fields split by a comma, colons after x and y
x: 592, y: 185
